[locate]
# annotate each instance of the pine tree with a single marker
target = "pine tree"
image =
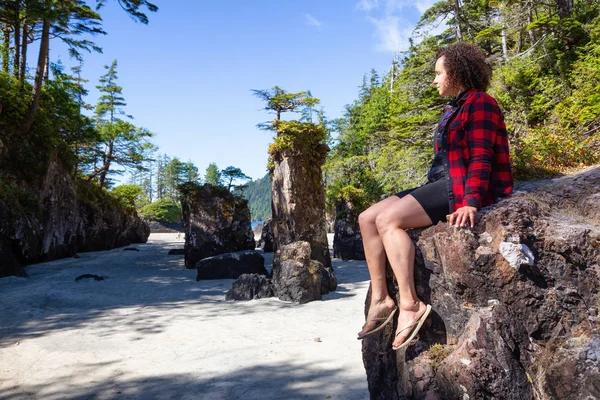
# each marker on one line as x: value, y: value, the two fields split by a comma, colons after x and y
x: 213, y: 175
x: 230, y: 174
x: 121, y: 142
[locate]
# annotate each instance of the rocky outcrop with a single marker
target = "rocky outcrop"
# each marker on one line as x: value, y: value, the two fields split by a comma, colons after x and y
x: 298, y: 278
x: 515, y: 303
x: 298, y: 208
x: 250, y: 287
x: 267, y: 241
x: 215, y: 221
x: 65, y: 221
x: 257, y: 231
x: 299, y: 203
x: 165, y: 227
x: 347, y: 240
x: 231, y: 265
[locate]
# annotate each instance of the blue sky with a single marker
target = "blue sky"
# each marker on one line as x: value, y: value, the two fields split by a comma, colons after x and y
x: 187, y: 75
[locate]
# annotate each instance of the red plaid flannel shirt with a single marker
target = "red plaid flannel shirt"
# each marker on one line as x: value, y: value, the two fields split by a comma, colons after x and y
x: 477, y: 160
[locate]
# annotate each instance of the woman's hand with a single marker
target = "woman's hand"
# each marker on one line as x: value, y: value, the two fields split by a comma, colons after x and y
x: 461, y: 216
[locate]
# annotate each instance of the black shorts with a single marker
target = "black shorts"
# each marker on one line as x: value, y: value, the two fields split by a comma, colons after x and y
x: 433, y: 197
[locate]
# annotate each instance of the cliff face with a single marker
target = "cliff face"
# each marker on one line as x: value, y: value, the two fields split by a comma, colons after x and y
x: 515, y: 303
x: 62, y: 224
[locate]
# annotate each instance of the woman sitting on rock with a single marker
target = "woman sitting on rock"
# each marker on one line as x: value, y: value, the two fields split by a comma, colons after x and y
x: 470, y: 170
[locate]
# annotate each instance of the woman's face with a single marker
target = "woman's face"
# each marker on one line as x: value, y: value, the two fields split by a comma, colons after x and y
x: 442, y: 80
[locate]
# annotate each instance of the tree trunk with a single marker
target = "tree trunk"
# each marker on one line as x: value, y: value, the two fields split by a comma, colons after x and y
x: 504, y: 47
x: 457, y: 18
x: 6, y: 49
x: 106, y: 165
x: 24, y: 52
x: 47, y: 74
x: 531, y: 35
x: 564, y: 8
x: 37, y: 85
x: 17, y: 38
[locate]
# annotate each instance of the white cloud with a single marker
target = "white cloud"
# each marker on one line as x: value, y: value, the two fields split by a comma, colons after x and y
x: 437, y: 27
x: 367, y: 5
x: 423, y: 5
x: 391, y: 30
x: 313, y: 21
x: 392, y: 6
x: 390, y: 36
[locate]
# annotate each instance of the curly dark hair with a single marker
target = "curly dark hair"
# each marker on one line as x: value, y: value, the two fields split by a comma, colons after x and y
x: 465, y: 65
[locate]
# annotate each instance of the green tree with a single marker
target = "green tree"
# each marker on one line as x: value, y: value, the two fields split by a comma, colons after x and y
x: 64, y: 19
x: 121, y: 143
x: 213, y: 175
x: 162, y: 210
x: 131, y: 196
x: 230, y: 174
x: 279, y: 101
x: 258, y: 194
x: 190, y: 173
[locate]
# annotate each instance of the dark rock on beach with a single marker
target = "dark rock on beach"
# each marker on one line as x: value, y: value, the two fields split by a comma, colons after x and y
x: 267, y: 242
x: 249, y: 287
x: 297, y: 278
x: 347, y: 240
x: 257, y: 231
x: 89, y: 276
x: 176, y: 252
x: 165, y: 227
x: 515, y: 303
x: 231, y: 265
x: 216, y: 222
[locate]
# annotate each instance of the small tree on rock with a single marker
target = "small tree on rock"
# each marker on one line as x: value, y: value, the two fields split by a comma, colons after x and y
x: 232, y: 173
x: 279, y: 101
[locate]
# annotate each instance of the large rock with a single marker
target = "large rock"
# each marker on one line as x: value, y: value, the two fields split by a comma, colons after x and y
x: 231, y: 265
x: 215, y: 221
x: 165, y: 227
x: 249, y: 287
x: 298, y: 207
x: 347, y: 240
x: 267, y: 242
x: 257, y: 231
x: 68, y: 219
x: 298, y: 278
x: 515, y: 303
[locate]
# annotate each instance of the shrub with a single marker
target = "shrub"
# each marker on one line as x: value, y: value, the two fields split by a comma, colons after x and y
x: 162, y: 210
x: 131, y: 196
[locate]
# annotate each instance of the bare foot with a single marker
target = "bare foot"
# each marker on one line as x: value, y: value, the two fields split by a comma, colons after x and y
x: 407, y: 318
x: 377, y: 309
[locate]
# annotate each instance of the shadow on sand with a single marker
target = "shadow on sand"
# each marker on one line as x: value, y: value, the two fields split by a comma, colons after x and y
x: 264, y: 382
x: 148, y: 283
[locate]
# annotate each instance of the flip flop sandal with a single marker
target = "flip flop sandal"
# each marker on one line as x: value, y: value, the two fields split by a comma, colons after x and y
x: 383, y: 322
x: 414, y: 332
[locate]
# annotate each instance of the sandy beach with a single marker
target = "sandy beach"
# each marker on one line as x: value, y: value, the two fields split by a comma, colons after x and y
x: 150, y: 331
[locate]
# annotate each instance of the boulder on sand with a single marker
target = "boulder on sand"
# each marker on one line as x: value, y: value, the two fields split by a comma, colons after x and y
x: 231, y: 265
x: 296, y: 277
x: 249, y: 287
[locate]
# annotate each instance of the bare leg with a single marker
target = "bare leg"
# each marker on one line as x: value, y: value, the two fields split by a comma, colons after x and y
x: 381, y: 302
x: 391, y: 225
